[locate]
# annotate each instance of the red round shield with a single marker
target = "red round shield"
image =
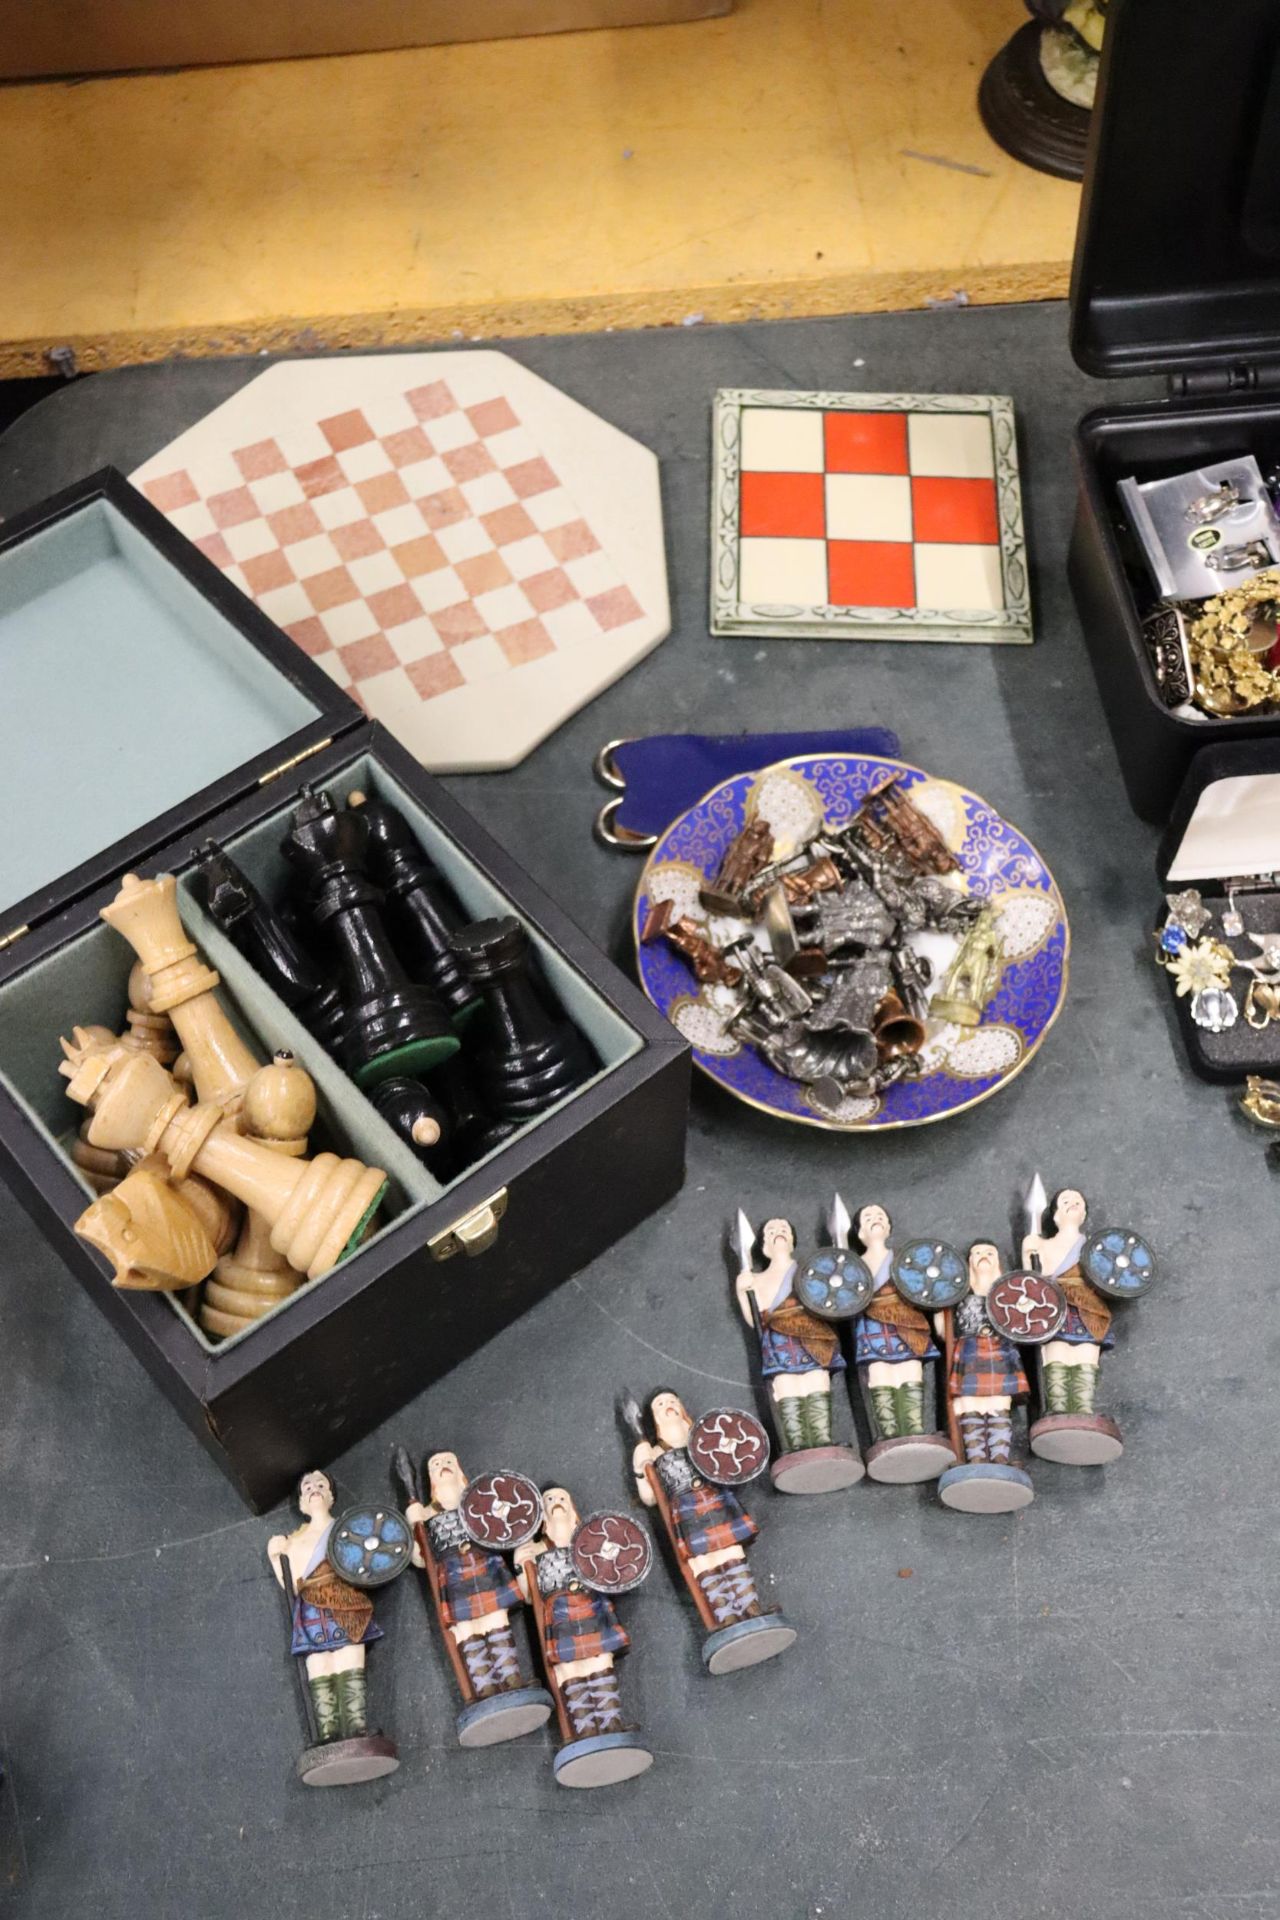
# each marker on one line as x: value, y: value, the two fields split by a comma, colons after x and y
x: 1027, y: 1308
x: 729, y: 1447
x: 612, y: 1553
x: 501, y: 1510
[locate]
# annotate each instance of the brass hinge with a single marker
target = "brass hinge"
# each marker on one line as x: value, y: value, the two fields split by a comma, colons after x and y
x: 287, y: 765
x: 8, y: 939
x: 475, y: 1232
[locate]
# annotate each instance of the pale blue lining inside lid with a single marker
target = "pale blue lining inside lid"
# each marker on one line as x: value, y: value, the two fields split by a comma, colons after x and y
x: 123, y: 692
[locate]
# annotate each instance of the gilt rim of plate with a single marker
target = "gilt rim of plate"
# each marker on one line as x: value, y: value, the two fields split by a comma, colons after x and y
x: 665, y: 976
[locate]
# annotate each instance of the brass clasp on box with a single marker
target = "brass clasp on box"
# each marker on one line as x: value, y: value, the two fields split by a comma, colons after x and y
x: 474, y: 1233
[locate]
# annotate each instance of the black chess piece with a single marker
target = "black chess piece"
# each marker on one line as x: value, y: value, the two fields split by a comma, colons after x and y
x: 417, y: 1118
x: 473, y: 1129
x: 392, y: 1026
x: 526, y: 1057
x: 270, y: 945
x: 421, y: 913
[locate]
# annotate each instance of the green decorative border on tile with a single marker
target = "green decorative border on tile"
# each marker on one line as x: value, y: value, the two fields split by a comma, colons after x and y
x: 729, y: 616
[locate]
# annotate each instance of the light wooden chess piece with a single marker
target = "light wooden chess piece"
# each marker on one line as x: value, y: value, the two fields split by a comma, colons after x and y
x: 317, y: 1209
x: 145, y: 912
x: 279, y: 1111
x: 145, y: 1032
x: 152, y: 1238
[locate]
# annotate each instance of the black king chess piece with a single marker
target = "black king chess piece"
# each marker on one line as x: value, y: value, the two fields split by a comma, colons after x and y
x: 257, y: 931
x: 392, y: 1026
x: 421, y: 913
x: 526, y: 1057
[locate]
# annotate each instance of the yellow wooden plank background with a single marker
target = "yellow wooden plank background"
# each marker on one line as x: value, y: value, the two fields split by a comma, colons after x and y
x: 796, y: 157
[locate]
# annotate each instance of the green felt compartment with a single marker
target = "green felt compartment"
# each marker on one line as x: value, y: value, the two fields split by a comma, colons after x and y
x: 124, y: 693
x: 86, y: 979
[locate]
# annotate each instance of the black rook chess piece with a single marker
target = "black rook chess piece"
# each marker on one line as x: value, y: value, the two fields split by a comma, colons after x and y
x: 421, y: 913
x: 418, y: 1119
x: 257, y: 931
x: 526, y: 1056
x: 392, y: 1026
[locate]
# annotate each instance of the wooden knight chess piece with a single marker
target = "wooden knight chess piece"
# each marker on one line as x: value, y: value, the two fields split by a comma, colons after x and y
x: 272, y: 947
x: 152, y: 1238
x: 318, y: 1210
x: 279, y: 1111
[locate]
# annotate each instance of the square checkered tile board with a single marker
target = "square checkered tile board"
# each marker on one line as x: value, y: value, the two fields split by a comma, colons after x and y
x: 872, y: 515
x: 412, y: 545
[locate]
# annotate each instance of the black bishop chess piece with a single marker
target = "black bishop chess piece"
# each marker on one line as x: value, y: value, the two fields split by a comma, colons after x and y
x: 417, y: 1118
x: 271, y: 946
x: 526, y: 1057
x: 421, y: 913
x: 393, y: 1027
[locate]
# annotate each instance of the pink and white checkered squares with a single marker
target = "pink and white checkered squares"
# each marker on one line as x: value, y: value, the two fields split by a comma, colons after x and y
x: 411, y: 545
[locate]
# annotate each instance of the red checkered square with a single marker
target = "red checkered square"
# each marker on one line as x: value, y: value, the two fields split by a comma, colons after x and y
x: 871, y: 573
x: 956, y: 511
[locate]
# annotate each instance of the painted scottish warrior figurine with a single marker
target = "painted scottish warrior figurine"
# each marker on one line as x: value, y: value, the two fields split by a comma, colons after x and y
x: 985, y: 1377
x: 798, y: 1355
x: 581, y: 1637
x: 475, y: 1591
x: 331, y: 1624
x: 1069, y: 1430
x: 707, y: 1526
x: 892, y: 1342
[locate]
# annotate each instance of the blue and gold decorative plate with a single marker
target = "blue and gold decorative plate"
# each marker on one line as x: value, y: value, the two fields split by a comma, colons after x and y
x: 962, y: 1065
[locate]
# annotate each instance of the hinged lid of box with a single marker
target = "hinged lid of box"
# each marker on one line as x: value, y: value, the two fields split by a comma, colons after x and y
x: 1177, y: 266
x: 139, y: 691
x: 1225, y: 824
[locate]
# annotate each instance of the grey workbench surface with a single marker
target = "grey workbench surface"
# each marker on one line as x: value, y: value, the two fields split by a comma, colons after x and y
x: 1070, y: 1713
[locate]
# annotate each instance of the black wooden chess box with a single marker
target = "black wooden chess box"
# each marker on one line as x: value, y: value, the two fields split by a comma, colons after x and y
x: 113, y: 618
x: 1177, y: 275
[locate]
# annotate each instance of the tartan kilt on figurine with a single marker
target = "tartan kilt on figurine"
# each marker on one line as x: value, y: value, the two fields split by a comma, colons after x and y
x: 328, y: 1614
x: 473, y: 1584
x: 796, y: 1344
x: 580, y: 1626
x: 709, y: 1519
x: 985, y: 1367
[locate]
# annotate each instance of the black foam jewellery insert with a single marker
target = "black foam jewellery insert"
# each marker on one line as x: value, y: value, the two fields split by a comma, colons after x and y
x: 1177, y: 273
x: 97, y: 569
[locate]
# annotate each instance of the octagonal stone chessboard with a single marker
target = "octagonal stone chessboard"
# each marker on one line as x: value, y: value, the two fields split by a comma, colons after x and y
x: 467, y: 551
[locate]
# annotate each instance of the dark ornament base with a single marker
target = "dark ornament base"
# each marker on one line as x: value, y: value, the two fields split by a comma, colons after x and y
x: 1023, y: 114
x: 1077, y: 1439
x: 346, y: 1763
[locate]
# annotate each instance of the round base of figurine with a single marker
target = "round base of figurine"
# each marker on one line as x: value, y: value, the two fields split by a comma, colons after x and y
x: 1026, y: 116
x: 982, y: 1486
x: 816, y: 1470
x: 601, y: 1760
x: 345, y: 1763
x: 746, y: 1643
x: 486, y: 1723
x: 1077, y: 1439
x: 913, y: 1457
